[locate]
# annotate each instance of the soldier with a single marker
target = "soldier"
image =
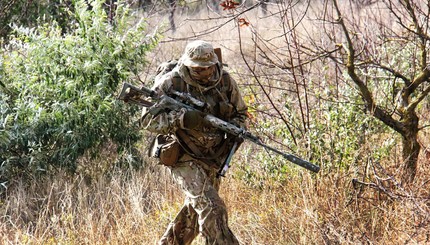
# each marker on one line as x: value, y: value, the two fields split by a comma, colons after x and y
x: 193, y: 150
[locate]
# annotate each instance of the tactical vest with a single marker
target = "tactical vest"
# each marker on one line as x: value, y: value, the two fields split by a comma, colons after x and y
x: 219, y: 105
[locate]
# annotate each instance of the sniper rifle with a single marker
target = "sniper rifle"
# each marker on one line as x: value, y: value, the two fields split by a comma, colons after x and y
x: 131, y: 93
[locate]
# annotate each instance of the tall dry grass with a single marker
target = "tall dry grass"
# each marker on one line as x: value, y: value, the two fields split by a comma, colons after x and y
x: 135, y: 206
x: 126, y: 206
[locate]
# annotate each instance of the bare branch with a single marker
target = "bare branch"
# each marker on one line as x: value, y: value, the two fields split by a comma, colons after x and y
x: 395, y: 73
x: 365, y: 92
x: 264, y: 90
x: 211, y: 29
x: 419, y: 98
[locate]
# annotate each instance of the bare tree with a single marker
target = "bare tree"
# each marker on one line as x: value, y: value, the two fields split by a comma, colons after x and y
x: 381, y: 46
x: 410, y: 28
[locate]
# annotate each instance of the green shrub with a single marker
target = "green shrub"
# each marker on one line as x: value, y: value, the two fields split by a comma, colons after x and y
x: 59, y: 93
x: 341, y: 132
x: 33, y: 13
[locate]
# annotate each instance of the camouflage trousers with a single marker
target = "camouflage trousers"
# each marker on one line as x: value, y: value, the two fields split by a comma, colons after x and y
x: 203, y: 212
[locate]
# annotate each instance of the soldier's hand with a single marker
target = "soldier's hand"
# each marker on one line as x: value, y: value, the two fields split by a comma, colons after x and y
x: 193, y: 119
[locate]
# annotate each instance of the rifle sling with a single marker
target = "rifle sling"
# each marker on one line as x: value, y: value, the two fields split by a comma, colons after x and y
x: 183, y: 136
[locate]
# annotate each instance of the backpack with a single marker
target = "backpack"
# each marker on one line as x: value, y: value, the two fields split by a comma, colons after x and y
x: 164, y: 68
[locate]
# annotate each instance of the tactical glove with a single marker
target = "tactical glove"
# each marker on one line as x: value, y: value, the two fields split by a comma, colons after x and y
x: 192, y: 119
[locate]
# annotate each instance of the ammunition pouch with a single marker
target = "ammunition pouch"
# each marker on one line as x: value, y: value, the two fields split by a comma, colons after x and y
x: 166, y: 149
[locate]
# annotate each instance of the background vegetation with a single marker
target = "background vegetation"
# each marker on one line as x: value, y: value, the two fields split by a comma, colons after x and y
x: 342, y: 84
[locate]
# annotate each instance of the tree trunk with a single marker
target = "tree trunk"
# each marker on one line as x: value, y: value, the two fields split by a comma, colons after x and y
x: 172, y: 8
x: 411, y: 147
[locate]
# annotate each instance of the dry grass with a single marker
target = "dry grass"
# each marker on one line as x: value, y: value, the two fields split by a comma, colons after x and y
x: 118, y: 206
x: 134, y: 207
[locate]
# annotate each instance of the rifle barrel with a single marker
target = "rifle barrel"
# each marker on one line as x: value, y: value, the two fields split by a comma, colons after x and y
x: 294, y: 159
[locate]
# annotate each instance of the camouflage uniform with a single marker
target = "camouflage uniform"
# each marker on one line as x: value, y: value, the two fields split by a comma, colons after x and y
x: 204, y: 211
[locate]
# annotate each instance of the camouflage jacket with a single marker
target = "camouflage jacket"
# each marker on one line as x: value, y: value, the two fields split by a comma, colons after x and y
x: 223, y: 99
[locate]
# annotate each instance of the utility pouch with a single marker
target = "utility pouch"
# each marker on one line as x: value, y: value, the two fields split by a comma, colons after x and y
x: 166, y: 149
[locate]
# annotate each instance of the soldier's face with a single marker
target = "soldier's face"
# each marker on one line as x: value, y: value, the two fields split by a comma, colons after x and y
x: 202, y: 73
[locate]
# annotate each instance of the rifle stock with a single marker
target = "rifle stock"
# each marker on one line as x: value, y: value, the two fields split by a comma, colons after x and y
x: 130, y: 93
